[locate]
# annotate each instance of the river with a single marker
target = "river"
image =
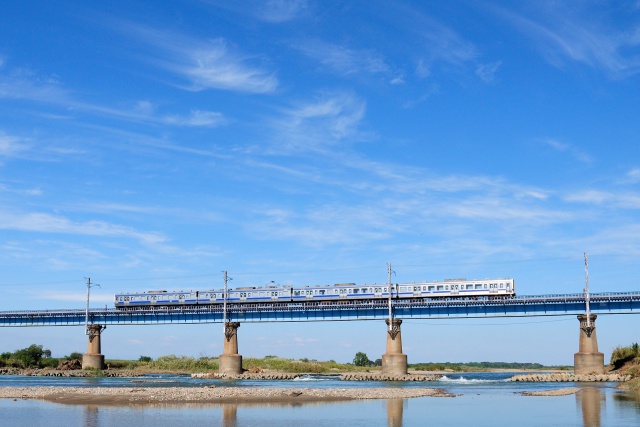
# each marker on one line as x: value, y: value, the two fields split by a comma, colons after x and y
x: 482, y: 399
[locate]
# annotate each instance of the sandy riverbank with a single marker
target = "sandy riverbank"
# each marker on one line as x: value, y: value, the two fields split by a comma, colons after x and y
x: 204, y: 395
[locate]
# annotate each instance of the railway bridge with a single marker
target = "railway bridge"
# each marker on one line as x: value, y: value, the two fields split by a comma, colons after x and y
x: 585, y: 306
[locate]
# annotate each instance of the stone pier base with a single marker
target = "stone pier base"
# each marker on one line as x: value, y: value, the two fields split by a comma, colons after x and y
x: 588, y: 360
x: 393, y: 361
x: 230, y: 362
x: 93, y: 359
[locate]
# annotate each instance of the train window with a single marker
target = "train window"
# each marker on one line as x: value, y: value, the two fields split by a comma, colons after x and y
x: 447, y: 287
x: 432, y: 288
x: 501, y: 285
x: 355, y: 291
x: 384, y: 290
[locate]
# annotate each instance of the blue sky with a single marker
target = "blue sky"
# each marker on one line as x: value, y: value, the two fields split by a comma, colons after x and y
x: 152, y: 145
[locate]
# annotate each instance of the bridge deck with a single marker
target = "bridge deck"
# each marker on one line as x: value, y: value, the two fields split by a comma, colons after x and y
x: 522, y: 306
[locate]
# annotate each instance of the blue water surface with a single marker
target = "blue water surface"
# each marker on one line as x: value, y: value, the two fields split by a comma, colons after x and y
x: 482, y: 399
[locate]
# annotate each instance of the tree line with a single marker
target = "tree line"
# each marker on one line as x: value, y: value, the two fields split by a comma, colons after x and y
x: 34, y: 356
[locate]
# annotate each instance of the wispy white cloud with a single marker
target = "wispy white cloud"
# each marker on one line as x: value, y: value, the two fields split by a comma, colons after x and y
x: 29, y: 86
x: 633, y: 176
x: 272, y: 11
x: 25, y: 84
x: 196, y: 118
x: 563, y: 147
x: 47, y: 223
x: 487, y: 71
x: 582, y: 35
x: 343, y: 60
x: 441, y: 42
x: 608, y: 199
x: 281, y: 10
x: 207, y: 64
x: 313, y: 126
x: 214, y: 65
x: 11, y: 146
x: 70, y: 296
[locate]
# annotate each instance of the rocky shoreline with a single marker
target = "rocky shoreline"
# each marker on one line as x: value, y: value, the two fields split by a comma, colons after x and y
x: 68, y: 373
x: 567, y: 377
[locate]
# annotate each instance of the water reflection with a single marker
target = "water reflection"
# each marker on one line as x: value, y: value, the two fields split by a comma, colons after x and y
x: 230, y: 415
x: 91, y: 414
x: 394, y: 412
x: 590, y: 400
x: 629, y: 400
x: 595, y: 406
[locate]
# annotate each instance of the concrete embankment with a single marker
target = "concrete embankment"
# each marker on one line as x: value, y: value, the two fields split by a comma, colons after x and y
x: 380, y: 377
x: 247, y: 376
x: 358, y: 376
x: 566, y: 377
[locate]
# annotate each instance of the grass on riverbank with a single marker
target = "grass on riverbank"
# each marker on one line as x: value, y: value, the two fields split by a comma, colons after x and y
x: 185, y: 364
x: 174, y: 363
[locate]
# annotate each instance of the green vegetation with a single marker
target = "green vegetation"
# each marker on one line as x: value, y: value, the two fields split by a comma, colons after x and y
x: 627, y: 360
x: 295, y: 366
x: 624, y: 355
x: 481, y: 366
x: 33, y: 356
x: 182, y: 363
x: 361, y: 359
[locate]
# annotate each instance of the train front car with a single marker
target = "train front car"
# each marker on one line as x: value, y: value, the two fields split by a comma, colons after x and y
x: 459, y: 288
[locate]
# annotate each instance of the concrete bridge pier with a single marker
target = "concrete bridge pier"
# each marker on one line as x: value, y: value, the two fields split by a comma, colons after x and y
x: 588, y: 360
x: 230, y: 361
x: 393, y: 361
x: 93, y: 359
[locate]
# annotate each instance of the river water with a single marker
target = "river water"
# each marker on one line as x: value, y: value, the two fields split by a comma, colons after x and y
x: 483, y: 399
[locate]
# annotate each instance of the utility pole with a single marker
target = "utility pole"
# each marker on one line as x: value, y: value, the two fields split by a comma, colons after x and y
x: 224, y: 304
x: 586, y: 289
x: 86, y: 315
x: 389, y: 271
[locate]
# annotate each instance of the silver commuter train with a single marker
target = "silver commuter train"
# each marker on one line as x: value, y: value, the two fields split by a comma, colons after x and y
x: 450, y: 288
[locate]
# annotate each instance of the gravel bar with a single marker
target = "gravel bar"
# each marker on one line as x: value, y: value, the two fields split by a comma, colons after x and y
x: 142, y: 395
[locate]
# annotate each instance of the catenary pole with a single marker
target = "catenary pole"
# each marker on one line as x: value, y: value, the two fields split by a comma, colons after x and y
x: 389, y: 288
x: 224, y: 304
x: 586, y: 289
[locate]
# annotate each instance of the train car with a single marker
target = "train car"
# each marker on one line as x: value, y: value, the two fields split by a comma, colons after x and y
x: 260, y: 294
x: 458, y: 288
x: 450, y: 288
x: 155, y: 298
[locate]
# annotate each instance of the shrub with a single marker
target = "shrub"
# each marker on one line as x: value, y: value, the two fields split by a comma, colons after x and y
x: 74, y: 356
x: 622, y: 355
x: 361, y: 359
